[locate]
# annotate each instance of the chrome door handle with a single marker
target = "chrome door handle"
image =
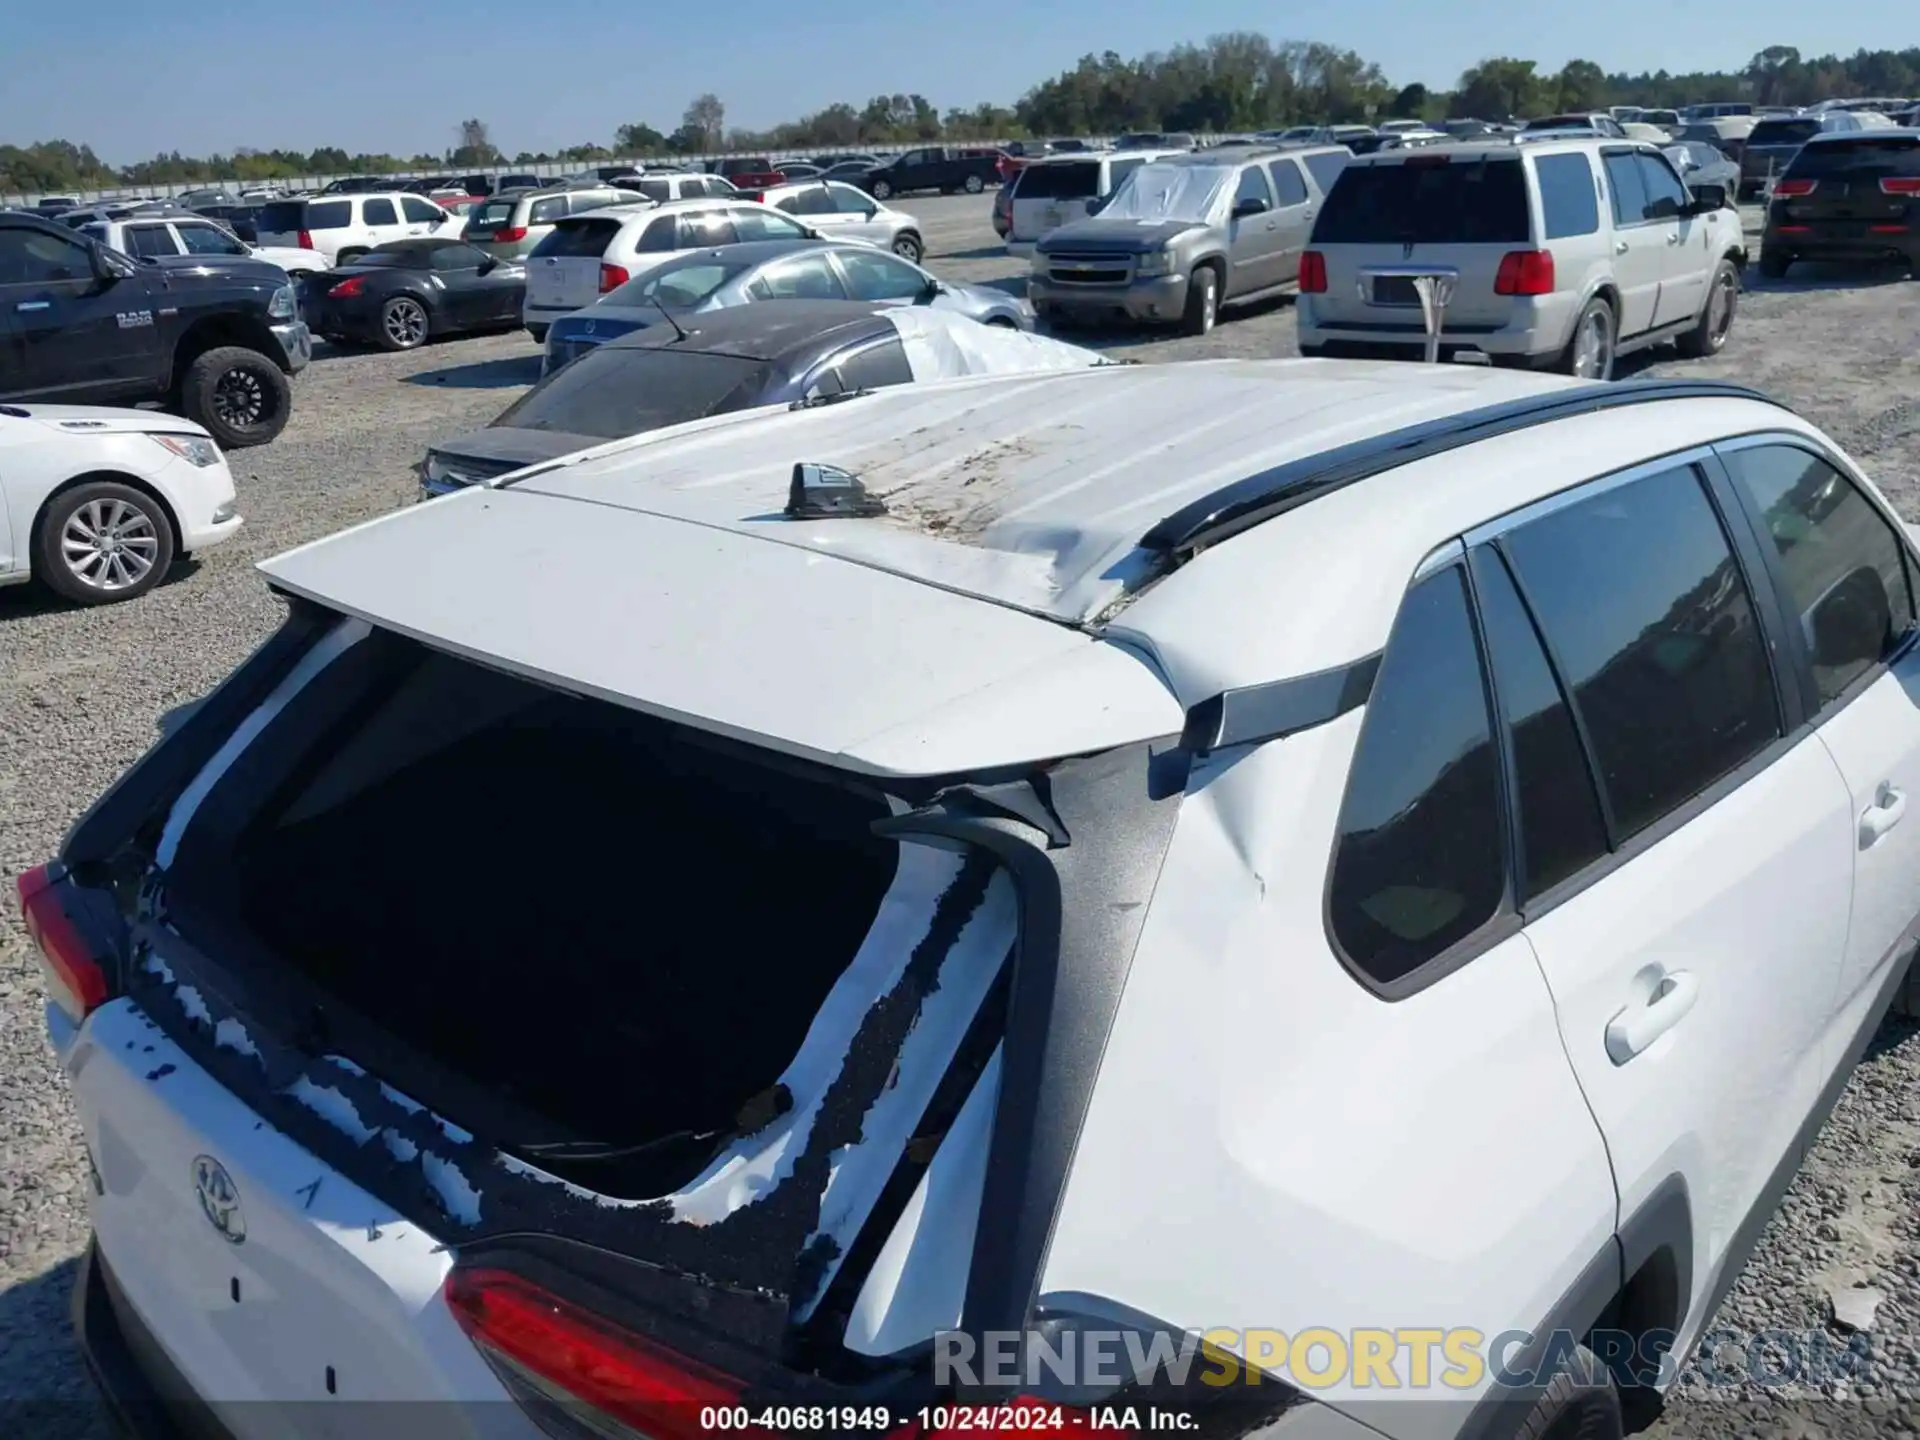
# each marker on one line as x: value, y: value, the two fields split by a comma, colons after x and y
x: 1889, y: 805
x: 34, y: 305
x: 1619, y: 247
x: 1675, y: 238
x: 1636, y: 1027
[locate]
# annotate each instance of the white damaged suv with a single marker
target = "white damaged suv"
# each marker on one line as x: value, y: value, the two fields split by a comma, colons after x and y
x: 1410, y: 856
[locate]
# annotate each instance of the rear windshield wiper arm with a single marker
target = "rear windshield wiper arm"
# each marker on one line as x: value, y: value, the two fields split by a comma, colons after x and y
x: 759, y: 1112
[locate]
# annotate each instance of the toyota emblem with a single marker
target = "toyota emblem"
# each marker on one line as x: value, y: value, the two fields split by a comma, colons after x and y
x: 219, y: 1198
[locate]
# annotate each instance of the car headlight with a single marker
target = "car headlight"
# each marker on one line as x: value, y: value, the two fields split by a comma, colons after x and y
x: 284, y: 305
x: 194, y: 449
x: 1160, y: 263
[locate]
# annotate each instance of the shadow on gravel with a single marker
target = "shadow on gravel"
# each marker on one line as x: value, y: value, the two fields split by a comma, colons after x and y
x: 45, y: 1391
x: 977, y: 252
x: 1894, y: 1032
x: 483, y: 375
x: 25, y: 602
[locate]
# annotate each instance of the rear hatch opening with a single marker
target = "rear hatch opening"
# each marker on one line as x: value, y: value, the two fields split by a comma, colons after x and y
x: 519, y: 960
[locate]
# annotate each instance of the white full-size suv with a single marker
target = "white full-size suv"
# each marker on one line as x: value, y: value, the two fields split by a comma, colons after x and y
x: 1561, y: 254
x: 1388, y: 881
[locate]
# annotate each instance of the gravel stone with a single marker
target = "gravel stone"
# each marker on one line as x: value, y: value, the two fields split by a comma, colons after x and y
x: 81, y: 692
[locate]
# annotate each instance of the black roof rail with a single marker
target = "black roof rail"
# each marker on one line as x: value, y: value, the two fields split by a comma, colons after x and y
x: 1258, y: 498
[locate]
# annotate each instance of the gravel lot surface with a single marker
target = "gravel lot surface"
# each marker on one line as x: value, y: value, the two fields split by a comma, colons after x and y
x: 80, y: 692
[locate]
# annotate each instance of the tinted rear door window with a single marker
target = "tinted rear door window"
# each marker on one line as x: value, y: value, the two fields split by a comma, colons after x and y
x: 1650, y: 623
x: 378, y: 212
x: 148, y: 240
x: 1418, y: 860
x: 1568, y: 203
x: 1430, y: 200
x: 1561, y: 829
x: 545, y: 212
x: 1827, y: 535
x: 1287, y: 183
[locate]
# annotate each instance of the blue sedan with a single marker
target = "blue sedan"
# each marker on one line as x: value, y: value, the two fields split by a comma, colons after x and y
x: 770, y: 270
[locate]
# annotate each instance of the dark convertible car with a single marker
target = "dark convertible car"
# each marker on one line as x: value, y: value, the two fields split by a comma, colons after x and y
x: 400, y: 295
x: 771, y: 353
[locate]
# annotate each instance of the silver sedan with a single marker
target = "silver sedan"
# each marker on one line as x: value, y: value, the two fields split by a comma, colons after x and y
x: 702, y: 280
x: 843, y: 212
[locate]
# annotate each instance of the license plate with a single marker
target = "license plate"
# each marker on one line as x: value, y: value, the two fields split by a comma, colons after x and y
x: 1394, y: 290
x: 1051, y: 216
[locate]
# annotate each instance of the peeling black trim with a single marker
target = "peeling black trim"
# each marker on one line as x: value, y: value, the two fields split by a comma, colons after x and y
x: 1258, y: 498
x: 1083, y: 907
x: 1279, y: 707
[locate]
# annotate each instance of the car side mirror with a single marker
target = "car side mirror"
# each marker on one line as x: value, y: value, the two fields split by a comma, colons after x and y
x: 1849, y: 625
x: 1708, y: 198
x: 486, y: 264
x: 1251, y: 206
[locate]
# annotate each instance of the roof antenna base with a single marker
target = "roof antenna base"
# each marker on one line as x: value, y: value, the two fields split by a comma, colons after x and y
x: 824, y: 492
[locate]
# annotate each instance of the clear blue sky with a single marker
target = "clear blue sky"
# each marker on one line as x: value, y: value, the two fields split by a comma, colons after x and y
x: 131, y: 77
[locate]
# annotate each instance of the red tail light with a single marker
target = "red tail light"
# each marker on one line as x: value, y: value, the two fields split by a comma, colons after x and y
x: 1887, y: 229
x: 754, y: 195
x: 305, y: 239
x: 1313, y: 273
x: 655, y: 1391
x: 1525, y: 272
x: 1792, y: 229
x: 510, y: 235
x: 1793, y: 189
x: 75, y: 980
x: 612, y: 277
x: 347, y: 289
x: 1900, y: 185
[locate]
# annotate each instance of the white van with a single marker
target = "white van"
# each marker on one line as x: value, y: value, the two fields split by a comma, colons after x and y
x: 1048, y: 193
x: 345, y: 227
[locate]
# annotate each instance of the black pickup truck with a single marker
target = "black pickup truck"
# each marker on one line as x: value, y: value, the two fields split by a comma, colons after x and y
x: 935, y: 167
x: 82, y: 324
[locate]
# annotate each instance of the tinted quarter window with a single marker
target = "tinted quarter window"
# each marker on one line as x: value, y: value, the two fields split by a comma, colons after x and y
x: 705, y: 228
x: 1836, y: 550
x: 1561, y: 830
x: 1569, y: 204
x: 1627, y: 189
x: 1648, y: 617
x: 1665, y: 194
x: 849, y: 201
x: 875, y: 367
x: 1417, y: 861
x: 1287, y: 183
x: 1325, y: 169
x: 661, y: 235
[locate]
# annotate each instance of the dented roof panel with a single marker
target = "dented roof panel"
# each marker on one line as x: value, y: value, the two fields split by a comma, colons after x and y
x: 1029, y: 490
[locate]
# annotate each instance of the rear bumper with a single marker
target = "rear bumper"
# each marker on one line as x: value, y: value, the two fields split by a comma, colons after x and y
x: 1863, y: 247
x: 1537, y: 334
x: 146, y: 1396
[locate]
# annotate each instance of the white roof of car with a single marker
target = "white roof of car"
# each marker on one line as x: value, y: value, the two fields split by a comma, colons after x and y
x: 1031, y: 491
x: 1001, y: 612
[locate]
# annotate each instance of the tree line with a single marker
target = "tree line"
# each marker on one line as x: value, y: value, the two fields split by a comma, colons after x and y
x: 1233, y: 82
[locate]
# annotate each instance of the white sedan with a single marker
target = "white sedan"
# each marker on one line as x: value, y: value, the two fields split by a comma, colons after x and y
x: 98, y: 503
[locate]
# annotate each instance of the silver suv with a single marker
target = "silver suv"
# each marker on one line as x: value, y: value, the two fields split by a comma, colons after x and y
x: 1183, y: 236
x: 1558, y: 254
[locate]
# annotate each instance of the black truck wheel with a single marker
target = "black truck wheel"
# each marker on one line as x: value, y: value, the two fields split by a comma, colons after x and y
x: 239, y: 395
